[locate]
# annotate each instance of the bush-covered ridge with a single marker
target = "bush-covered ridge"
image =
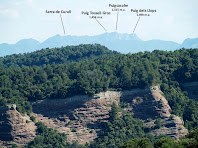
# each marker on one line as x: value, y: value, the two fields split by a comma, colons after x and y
x: 61, y: 55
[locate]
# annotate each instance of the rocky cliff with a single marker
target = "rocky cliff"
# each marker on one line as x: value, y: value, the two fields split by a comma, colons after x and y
x: 15, y: 128
x: 80, y: 116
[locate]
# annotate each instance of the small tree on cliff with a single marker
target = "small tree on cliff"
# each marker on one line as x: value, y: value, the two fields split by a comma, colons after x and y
x: 113, y: 113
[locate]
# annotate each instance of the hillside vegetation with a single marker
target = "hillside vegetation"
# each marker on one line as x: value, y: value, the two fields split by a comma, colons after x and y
x: 90, y: 69
x: 61, y: 55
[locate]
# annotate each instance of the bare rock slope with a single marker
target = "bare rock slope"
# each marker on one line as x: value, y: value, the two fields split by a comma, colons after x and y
x: 15, y: 128
x: 80, y: 116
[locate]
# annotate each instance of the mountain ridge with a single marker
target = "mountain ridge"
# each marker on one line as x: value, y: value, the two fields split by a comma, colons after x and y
x: 121, y: 42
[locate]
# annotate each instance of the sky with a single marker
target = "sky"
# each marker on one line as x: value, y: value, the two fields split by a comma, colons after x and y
x: 175, y: 20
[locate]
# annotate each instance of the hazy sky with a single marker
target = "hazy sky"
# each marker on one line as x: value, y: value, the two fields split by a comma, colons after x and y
x: 174, y: 20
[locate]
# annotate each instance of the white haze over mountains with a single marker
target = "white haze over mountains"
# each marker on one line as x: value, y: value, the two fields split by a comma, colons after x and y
x: 123, y: 43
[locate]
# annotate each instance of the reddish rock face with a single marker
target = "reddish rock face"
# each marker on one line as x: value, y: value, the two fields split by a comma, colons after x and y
x: 81, y: 116
x: 13, y: 127
x: 84, y: 114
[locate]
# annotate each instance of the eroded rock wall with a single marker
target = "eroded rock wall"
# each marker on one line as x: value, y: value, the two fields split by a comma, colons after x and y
x: 80, y: 116
x: 15, y: 128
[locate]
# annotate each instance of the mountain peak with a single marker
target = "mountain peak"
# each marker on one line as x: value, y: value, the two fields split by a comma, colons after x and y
x: 27, y: 41
x: 58, y: 35
x: 120, y: 36
x: 190, y: 43
x: 121, y: 42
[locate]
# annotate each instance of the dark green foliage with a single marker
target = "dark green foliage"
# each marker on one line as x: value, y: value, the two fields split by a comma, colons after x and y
x: 123, y: 131
x: 14, y: 146
x: 118, y: 131
x: 158, y: 121
x: 89, y: 69
x: 193, y: 134
x: 171, y: 117
x: 32, y: 118
x: 181, y: 105
x: 167, y: 142
x: 188, y: 68
x: 50, y: 138
x: 64, y: 80
x: 189, y: 141
x: 73, y: 130
x: 60, y: 75
x: 138, y: 143
x: 47, y: 137
x: 113, y: 114
x: 61, y: 55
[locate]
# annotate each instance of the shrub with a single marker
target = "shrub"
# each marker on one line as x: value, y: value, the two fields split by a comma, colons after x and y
x: 73, y: 130
x: 33, y: 118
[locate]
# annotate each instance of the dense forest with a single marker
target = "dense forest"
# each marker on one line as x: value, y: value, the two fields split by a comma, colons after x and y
x: 90, y: 69
x: 61, y: 55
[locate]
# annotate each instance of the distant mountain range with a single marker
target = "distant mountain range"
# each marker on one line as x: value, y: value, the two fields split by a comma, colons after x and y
x: 123, y: 43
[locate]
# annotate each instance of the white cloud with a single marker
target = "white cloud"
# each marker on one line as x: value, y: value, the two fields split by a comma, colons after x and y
x: 10, y: 13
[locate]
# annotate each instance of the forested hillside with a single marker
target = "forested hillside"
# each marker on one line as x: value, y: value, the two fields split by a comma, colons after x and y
x: 90, y: 69
x: 61, y: 55
x: 20, y: 85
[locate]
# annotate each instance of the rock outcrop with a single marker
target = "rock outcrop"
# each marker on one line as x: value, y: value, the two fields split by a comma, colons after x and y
x: 15, y: 128
x: 80, y: 116
x: 171, y: 127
